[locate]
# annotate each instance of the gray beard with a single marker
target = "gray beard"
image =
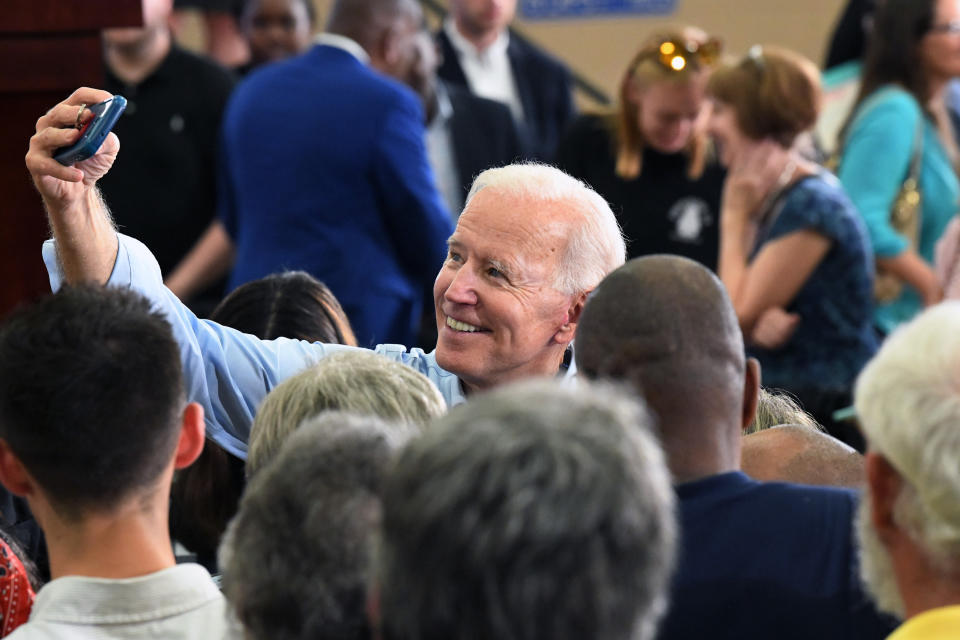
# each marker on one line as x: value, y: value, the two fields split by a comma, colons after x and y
x: 876, y: 567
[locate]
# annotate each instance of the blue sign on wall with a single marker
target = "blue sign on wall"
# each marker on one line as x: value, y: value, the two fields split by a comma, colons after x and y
x: 585, y: 8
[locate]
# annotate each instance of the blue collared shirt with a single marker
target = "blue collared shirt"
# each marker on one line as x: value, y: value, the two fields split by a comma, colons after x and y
x: 229, y: 372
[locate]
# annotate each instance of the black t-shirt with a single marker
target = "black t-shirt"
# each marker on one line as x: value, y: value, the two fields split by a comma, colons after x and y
x: 660, y: 211
x: 162, y: 189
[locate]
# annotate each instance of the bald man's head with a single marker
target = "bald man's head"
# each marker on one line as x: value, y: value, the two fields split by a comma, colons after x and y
x: 665, y: 325
x: 801, y: 454
x: 386, y: 29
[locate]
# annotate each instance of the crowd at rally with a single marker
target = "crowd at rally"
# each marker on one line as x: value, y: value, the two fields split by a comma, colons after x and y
x: 375, y: 336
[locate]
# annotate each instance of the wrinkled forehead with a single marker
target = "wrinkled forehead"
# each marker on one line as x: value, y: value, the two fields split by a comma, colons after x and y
x: 527, y: 230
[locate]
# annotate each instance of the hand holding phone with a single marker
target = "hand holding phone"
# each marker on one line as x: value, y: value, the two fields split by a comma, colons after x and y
x: 105, y: 115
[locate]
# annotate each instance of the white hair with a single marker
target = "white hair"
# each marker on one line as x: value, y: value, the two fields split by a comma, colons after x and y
x: 595, y: 246
x: 908, y: 404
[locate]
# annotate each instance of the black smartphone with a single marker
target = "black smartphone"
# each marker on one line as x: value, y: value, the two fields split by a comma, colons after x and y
x: 105, y: 115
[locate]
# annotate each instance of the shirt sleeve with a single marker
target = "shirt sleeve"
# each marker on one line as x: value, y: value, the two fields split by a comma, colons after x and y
x: 226, y: 371
x: 813, y: 205
x: 876, y: 158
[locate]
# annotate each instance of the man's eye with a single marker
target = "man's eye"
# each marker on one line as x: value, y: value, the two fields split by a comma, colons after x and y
x: 454, y: 257
x: 493, y: 272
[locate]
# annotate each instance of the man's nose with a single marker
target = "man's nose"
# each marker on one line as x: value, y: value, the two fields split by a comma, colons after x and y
x: 462, y: 288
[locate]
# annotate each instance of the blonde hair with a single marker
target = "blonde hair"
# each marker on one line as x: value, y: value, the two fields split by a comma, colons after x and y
x: 356, y: 381
x: 775, y: 409
x: 774, y: 92
x: 644, y: 70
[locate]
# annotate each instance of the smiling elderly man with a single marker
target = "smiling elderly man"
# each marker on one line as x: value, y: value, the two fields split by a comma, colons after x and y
x: 530, y: 245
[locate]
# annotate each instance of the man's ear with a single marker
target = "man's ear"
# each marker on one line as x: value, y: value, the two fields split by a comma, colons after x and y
x: 885, y: 484
x: 13, y: 474
x: 568, y: 329
x: 192, y: 436
x: 751, y: 392
x: 389, y: 49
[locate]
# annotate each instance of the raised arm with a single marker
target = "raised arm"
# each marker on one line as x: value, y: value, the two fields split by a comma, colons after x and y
x: 774, y: 276
x: 86, y: 239
x: 226, y: 371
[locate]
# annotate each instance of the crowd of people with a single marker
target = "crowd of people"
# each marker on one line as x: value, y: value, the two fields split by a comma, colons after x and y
x: 582, y: 445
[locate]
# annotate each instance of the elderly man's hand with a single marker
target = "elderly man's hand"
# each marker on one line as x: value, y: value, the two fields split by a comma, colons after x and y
x: 62, y: 186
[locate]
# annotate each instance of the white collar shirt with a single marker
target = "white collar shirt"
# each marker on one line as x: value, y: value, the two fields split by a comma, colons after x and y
x: 181, y: 602
x: 442, y: 155
x: 488, y: 72
x: 343, y: 42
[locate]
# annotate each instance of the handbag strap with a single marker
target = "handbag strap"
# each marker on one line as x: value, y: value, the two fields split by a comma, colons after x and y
x: 917, y: 156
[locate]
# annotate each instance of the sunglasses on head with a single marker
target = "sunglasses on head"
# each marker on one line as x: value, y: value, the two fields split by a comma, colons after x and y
x: 678, y: 55
x: 951, y: 28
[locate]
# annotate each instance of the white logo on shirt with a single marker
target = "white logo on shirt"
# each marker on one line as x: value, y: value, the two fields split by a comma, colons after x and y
x: 689, y: 216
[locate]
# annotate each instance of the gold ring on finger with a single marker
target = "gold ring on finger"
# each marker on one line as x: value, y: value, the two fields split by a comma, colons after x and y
x: 80, y: 115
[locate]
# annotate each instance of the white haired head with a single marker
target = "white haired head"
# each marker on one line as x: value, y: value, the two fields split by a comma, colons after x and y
x: 595, y: 246
x: 908, y: 403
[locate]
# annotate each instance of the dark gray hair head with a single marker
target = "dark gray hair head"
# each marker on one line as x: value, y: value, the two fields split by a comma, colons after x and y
x: 537, y: 511
x: 295, y: 560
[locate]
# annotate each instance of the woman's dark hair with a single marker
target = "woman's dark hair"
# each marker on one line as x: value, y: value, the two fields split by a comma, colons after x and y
x: 294, y: 305
x: 893, y: 51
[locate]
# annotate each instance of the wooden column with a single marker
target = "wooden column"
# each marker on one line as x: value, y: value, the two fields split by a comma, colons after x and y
x: 48, y: 48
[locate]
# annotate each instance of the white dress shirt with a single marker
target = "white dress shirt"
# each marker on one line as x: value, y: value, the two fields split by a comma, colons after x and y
x: 488, y: 72
x: 443, y: 158
x: 180, y: 603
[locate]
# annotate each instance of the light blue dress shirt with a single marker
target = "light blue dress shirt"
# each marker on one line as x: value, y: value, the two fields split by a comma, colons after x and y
x: 229, y: 372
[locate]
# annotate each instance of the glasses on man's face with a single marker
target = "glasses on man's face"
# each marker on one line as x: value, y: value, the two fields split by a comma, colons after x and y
x: 950, y: 28
x: 676, y: 55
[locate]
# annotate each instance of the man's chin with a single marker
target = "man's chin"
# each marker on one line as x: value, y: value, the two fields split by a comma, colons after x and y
x: 876, y: 567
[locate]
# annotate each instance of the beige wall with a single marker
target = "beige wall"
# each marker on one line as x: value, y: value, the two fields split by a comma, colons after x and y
x: 600, y: 48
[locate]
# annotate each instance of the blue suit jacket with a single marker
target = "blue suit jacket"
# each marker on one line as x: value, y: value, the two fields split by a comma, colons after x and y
x: 769, y: 560
x: 325, y: 170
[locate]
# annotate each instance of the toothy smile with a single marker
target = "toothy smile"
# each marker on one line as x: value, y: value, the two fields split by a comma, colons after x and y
x: 462, y: 326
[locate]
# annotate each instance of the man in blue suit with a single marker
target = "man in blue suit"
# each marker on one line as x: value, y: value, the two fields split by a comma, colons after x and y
x: 326, y: 171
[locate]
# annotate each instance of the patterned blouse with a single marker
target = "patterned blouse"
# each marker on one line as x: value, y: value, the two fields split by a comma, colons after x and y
x: 835, y: 337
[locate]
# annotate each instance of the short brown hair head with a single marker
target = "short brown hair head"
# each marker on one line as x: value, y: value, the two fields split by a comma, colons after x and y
x: 774, y: 92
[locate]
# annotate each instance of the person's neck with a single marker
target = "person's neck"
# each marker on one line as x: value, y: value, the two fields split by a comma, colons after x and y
x: 481, y: 40
x: 923, y: 586
x: 134, y: 62
x: 131, y: 541
x: 936, y: 85
x: 699, y: 451
x: 549, y: 370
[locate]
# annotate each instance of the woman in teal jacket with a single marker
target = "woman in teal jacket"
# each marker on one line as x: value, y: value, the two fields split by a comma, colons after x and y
x: 914, y: 52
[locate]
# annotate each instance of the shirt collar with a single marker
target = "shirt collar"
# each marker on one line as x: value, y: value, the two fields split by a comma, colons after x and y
x: 84, y: 600
x: 444, y: 106
x: 343, y: 42
x: 464, y: 47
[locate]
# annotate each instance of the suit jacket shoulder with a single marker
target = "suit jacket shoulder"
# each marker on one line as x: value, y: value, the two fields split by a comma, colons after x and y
x: 483, y: 134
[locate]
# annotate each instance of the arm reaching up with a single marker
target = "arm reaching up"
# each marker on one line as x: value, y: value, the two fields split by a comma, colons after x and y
x: 81, y: 224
